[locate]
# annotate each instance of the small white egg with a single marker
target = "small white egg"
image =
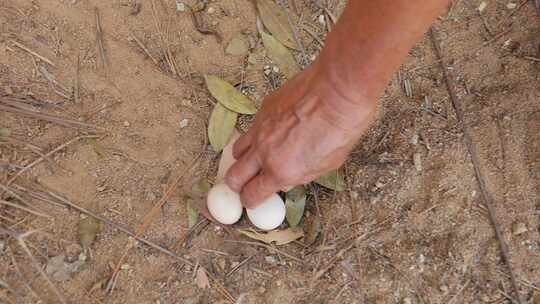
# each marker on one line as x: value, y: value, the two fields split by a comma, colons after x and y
x: 224, y: 204
x: 269, y: 214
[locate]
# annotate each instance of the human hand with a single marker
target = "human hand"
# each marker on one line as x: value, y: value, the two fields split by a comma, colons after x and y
x: 304, y: 129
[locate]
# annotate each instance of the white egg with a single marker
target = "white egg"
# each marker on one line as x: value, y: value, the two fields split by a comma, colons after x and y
x: 224, y: 204
x: 269, y: 214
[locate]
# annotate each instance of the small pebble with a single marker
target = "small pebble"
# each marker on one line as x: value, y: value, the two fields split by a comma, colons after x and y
x: 126, y: 123
x: 519, y: 228
x: 184, y: 123
x: 211, y: 10
x: 482, y: 6
x: 511, y: 5
x: 322, y: 20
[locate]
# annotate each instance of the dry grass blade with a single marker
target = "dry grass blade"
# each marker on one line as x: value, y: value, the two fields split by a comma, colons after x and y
x: 19, y: 273
x: 20, y: 240
x: 17, y: 206
x: 46, y: 117
x: 486, y: 196
x: 292, y: 257
x: 145, y: 49
x: 24, y: 48
x: 39, y: 160
x: 99, y: 39
x: 117, y: 226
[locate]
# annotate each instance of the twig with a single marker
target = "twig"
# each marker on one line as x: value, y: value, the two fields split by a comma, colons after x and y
x: 37, y: 161
x: 20, y: 239
x: 146, y: 51
x: 235, y: 268
x: 50, y: 118
x: 99, y: 39
x: 269, y: 248
x: 475, y: 162
x: 77, y: 89
x: 119, y: 227
x: 458, y: 292
x: 37, y: 213
x: 42, y: 58
x: 532, y: 58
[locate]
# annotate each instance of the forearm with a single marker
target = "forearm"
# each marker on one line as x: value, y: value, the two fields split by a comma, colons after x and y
x: 369, y: 42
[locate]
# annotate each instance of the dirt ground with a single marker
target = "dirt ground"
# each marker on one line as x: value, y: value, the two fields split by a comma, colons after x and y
x: 410, y: 228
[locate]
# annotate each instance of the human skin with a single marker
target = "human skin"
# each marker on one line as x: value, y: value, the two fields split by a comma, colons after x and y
x: 311, y: 124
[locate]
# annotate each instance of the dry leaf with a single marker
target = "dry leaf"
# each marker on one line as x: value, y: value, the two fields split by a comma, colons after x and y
x: 5, y: 132
x: 280, y: 55
x: 332, y: 180
x: 221, y: 126
x: 276, y: 22
x: 295, y: 202
x: 202, y: 279
x: 202, y: 186
x: 97, y: 147
x: 89, y: 228
x: 229, y: 96
x: 313, y: 231
x: 227, y: 159
x: 280, y: 237
x: 192, y: 214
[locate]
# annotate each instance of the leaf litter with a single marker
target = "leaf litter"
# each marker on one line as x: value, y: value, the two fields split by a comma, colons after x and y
x: 295, y: 202
x: 280, y: 55
x: 276, y: 22
x: 332, y: 180
x: 280, y: 237
x: 221, y: 126
x: 229, y: 96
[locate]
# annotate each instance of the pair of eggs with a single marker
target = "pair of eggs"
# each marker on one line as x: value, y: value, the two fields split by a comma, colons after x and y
x: 225, y: 206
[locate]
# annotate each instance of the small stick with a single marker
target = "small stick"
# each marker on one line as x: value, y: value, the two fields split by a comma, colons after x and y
x: 267, y: 247
x: 309, y: 31
x: 146, y: 51
x: 42, y: 58
x: 77, y: 89
x: 50, y: 118
x: 20, y: 239
x: 235, y: 268
x: 487, y: 198
x: 119, y: 227
x: 532, y: 58
x: 37, y: 161
x: 24, y: 209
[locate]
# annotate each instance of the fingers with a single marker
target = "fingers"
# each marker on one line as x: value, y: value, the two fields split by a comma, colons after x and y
x: 243, y: 144
x: 259, y: 188
x: 242, y: 171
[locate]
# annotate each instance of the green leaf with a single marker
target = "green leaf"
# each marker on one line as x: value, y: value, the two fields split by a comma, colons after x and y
x: 89, y: 228
x: 5, y: 132
x: 97, y: 147
x: 275, y: 20
x: 295, y: 201
x: 229, y: 96
x: 192, y: 213
x: 280, y: 55
x: 332, y: 180
x: 202, y: 186
x: 221, y: 126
